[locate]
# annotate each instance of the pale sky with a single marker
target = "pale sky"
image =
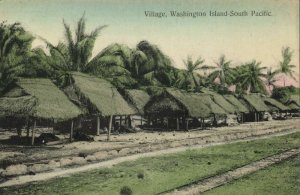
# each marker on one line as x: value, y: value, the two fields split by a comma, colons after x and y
x: 241, y: 39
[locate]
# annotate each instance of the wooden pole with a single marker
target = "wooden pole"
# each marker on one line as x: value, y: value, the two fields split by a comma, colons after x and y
x: 203, y: 125
x: 33, y: 132
x: 27, y: 127
x: 71, y: 132
x: 186, y: 124
x: 177, y: 123
x: 98, y: 125
x: 109, y: 127
x: 141, y: 120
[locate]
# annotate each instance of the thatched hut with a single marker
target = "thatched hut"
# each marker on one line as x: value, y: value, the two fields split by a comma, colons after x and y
x: 277, y: 109
x: 256, y: 105
x: 100, y: 98
x: 241, y: 109
x: 137, y: 98
x: 181, y: 107
x: 293, y: 103
x: 231, y: 110
x: 37, y: 99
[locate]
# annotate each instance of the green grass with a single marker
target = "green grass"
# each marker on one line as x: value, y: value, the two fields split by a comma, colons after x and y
x: 162, y: 173
x: 283, y: 178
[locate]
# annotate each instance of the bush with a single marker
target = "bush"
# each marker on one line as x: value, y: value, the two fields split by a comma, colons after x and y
x: 125, y: 191
x: 140, y: 175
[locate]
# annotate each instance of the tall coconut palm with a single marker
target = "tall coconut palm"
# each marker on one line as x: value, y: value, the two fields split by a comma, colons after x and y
x: 74, y: 54
x: 192, y: 69
x: 223, y: 71
x: 15, y: 45
x: 271, y: 78
x: 249, y: 78
x: 284, y: 66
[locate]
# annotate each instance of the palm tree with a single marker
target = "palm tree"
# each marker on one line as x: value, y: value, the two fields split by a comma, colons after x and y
x: 223, y: 72
x: 75, y: 53
x: 192, y: 68
x: 285, y: 66
x: 270, y: 78
x: 249, y: 78
x: 15, y: 45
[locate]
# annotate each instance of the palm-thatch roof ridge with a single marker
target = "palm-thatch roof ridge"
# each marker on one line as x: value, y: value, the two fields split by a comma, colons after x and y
x: 221, y: 101
x: 255, y: 102
x: 274, y: 103
x: 38, y: 98
x: 197, y: 105
x: 138, y: 98
x: 104, y: 97
x: 235, y: 102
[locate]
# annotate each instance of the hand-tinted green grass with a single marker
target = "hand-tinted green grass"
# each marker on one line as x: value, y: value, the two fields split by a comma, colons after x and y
x: 283, y: 178
x: 157, y: 174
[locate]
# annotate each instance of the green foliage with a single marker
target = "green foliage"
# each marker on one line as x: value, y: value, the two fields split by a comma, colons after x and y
x: 75, y: 53
x: 126, y: 191
x: 249, y: 78
x: 284, y: 93
x: 15, y: 45
x: 285, y: 67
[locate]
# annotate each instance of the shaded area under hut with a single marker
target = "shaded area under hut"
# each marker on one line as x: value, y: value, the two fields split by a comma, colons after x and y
x: 257, y: 107
x: 175, y: 109
x: 30, y: 101
x: 137, y: 98
x: 101, y: 99
x: 232, y: 112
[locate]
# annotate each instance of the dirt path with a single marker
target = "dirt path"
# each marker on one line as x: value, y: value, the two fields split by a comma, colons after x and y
x: 20, y: 180
x: 224, y: 178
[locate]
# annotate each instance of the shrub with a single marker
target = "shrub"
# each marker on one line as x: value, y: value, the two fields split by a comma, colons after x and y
x: 140, y: 175
x: 125, y: 191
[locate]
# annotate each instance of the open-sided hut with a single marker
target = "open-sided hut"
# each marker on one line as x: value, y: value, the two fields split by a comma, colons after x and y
x: 181, y: 107
x: 35, y: 99
x: 100, y: 98
x: 241, y: 109
x: 137, y: 98
x: 256, y: 105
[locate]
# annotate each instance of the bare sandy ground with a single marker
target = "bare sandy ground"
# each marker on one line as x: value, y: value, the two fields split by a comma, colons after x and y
x: 20, y: 180
x: 224, y: 178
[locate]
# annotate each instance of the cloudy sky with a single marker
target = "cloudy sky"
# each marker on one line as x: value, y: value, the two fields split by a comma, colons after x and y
x: 241, y: 39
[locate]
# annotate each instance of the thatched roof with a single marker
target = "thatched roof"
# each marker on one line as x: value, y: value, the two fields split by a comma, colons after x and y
x: 295, y: 99
x: 221, y: 101
x: 255, y: 103
x: 138, y: 98
x: 38, y: 98
x: 192, y: 104
x: 104, y: 98
x: 235, y: 102
x: 275, y: 105
x: 293, y: 106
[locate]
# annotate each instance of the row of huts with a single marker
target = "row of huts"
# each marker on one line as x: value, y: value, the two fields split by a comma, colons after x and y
x: 32, y: 102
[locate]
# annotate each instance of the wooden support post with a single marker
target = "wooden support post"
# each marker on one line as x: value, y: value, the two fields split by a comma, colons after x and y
x: 121, y: 117
x: 27, y: 127
x: 177, y: 123
x: 71, y: 131
x: 33, y: 132
x: 109, y: 127
x: 141, y: 120
x: 203, y: 124
x: 98, y: 125
x: 186, y: 124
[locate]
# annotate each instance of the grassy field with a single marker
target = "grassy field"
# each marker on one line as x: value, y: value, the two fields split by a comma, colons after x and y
x: 283, y: 178
x: 157, y: 174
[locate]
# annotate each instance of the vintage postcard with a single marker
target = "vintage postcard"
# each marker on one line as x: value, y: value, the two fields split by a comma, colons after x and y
x: 149, y: 97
